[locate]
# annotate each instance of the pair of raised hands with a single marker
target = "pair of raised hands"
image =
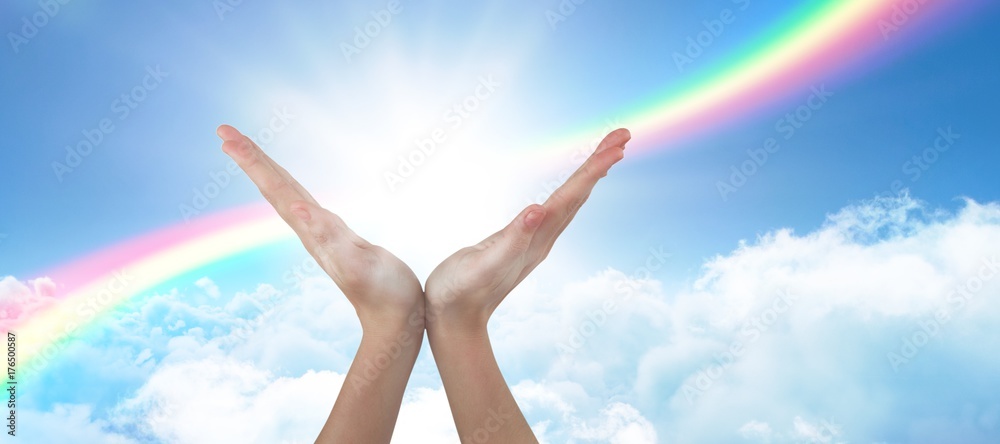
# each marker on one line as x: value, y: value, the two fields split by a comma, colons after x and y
x: 454, y: 305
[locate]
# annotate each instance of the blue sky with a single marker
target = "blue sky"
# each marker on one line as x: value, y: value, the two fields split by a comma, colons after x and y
x: 349, y: 118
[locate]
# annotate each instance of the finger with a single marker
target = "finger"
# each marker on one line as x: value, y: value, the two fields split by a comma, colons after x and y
x: 514, y: 239
x: 228, y: 132
x: 284, y: 173
x: 504, y: 252
x: 274, y: 183
x: 618, y: 137
x: 327, y: 238
x: 564, y: 203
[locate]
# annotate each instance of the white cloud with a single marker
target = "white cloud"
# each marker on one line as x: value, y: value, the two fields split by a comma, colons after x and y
x: 222, y: 400
x: 619, y: 423
x: 767, y: 344
x: 757, y: 431
x: 66, y: 423
x: 801, y: 431
x: 862, y: 286
x: 209, y: 287
x: 425, y: 417
x: 20, y: 300
x: 866, y: 284
x: 563, y: 412
x: 821, y: 432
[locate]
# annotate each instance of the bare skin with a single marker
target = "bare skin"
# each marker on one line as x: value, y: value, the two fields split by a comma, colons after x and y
x: 461, y: 295
x: 464, y: 291
x: 384, y: 291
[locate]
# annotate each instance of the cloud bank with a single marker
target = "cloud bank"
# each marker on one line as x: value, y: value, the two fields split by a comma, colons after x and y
x: 879, y: 326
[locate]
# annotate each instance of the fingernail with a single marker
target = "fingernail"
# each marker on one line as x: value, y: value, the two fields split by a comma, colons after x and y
x: 533, y: 219
x: 226, y: 132
x: 301, y: 213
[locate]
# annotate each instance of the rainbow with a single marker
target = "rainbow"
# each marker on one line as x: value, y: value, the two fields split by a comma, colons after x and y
x: 819, y: 38
x: 807, y: 47
x: 98, y: 283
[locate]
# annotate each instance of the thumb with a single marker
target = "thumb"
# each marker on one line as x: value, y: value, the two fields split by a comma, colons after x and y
x: 502, y: 257
x: 516, y: 237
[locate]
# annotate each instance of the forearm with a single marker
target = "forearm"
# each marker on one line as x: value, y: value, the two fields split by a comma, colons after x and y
x: 481, y: 403
x: 369, y: 400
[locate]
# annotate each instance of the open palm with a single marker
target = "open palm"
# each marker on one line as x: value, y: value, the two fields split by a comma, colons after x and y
x: 382, y: 288
x: 471, y: 283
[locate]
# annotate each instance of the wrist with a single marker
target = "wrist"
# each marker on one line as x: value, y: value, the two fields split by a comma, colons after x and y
x: 446, y: 322
x: 404, y: 342
x: 389, y: 323
x: 457, y: 311
x: 391, y: 339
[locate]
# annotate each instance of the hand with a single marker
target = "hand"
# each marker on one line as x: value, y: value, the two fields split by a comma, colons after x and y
x: 384, y: 291
x: 465, y: 289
